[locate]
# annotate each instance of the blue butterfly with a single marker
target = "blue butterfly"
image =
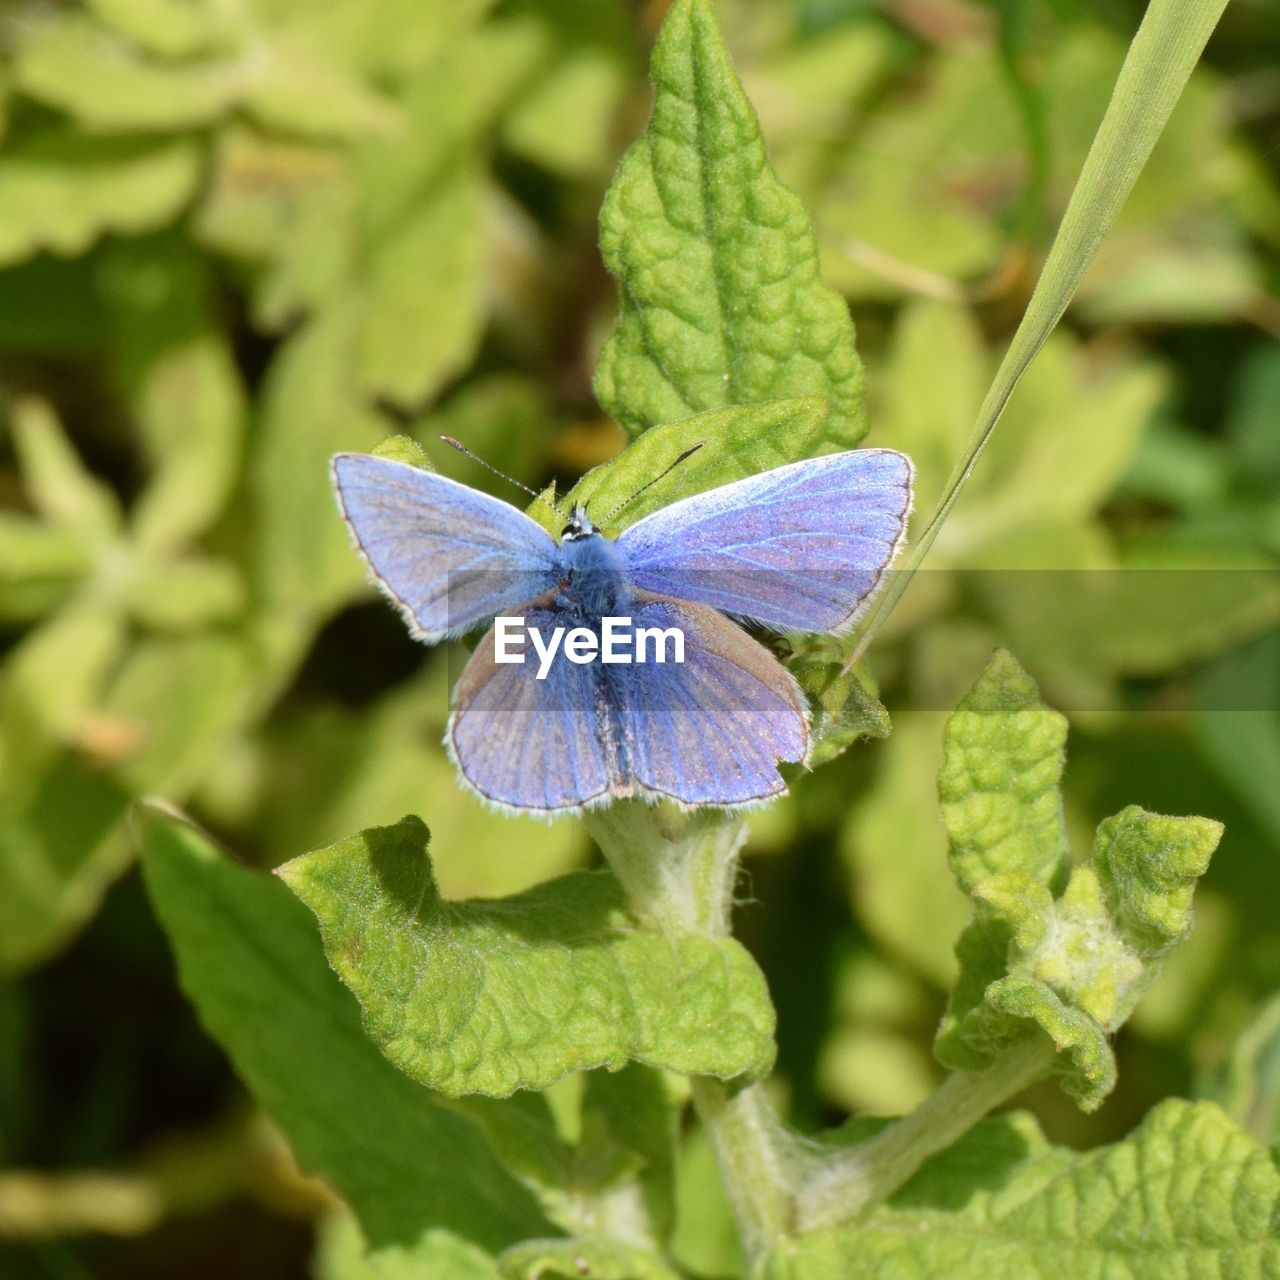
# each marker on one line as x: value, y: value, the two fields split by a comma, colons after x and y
x: 801, y: 547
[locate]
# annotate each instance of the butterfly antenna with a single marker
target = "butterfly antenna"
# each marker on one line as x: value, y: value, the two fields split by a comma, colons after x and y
x: 502, y: 475
x: 644, y: 488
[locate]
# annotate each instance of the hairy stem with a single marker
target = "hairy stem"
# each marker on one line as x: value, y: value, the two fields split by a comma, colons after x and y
x: 757, y: 1156
x: 844, y: 1185
x: 678, y: 869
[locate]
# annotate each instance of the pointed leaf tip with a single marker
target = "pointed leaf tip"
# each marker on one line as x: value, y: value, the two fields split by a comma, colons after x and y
x: 717, y: 261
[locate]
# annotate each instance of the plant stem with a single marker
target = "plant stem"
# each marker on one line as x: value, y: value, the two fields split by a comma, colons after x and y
x: 844, y: 1185
x: 757, y: 1159
x: 678, y: 869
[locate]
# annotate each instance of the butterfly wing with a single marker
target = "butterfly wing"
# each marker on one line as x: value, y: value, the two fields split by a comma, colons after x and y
x: 448, y: 556
x: 543, y: 745
x: 713, y: 728
x: 801, y: 547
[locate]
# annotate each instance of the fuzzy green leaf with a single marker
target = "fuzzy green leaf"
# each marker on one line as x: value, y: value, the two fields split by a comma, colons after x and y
x: 342, y: 1254
x: 1071, y: 959
x: 736, y: 443
x: 1187, y: 1194
x: 616, y: 1178
x: 494, y: 996
x: 717, y: 263
x: 250, y: 959
x: 566, y: 1259
x: 999, y: 780
x: 843, y: 710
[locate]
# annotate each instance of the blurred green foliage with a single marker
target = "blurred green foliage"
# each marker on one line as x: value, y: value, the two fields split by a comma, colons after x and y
x: 235, y: 238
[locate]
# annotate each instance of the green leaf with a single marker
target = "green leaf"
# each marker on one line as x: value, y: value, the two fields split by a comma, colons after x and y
x: 716, y: 260
x: 1186, y: 1194
x: 565, y: 122
x: 61, y: 848
x: 911, y: 204
x: 183, y: 594
x: 1070, y: 431
x: 1155, y: 71
x: 40, y: 566
x: 251, y: 961
x: 69, y: 61
x: 494, y: 996
x: 503, y: 416
x: 185, y: 695
x: 424, y: 290
x: 737, y: 443
x: 60, y: 192
x: 57, y: 483
x: 439, y: 1255
x: 302, y: 94
x: 169, y: 27
x: 1158, y: 609
x: 184, y: 392
x: 51, y: 678
x: 1251, y: 424
x: 309, y: 410
x: 1249, y: 1086
x: 894, y: 850
x: 632, y: 1111
x: 1072, y: 959
x: 615, y: 1179
x: 1004, y: 753
x: 843, y: 710
x: 568, y: 1259
x: 936, y: 371
x: 406, y: 449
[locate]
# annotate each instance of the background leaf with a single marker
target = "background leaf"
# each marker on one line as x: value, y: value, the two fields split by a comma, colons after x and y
x: 251, y: 961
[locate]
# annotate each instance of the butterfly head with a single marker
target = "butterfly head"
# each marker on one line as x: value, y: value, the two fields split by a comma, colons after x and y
x: 579, y: 526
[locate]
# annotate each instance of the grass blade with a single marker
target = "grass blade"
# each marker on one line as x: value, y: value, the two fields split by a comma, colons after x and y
x: 1165, y: 51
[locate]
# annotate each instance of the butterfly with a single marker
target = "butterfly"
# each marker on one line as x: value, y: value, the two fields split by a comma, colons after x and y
x: 799, y: 548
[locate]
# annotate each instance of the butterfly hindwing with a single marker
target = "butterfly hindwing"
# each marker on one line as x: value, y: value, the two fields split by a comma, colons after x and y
x: 801, y: 547
x: 712, y: 729
x: 533, y: 744
x: 449, y: 556
x: 708, y: 730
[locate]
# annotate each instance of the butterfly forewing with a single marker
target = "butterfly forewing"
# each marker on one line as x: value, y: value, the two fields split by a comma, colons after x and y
x: 801, y: 547
x: 449, y: 556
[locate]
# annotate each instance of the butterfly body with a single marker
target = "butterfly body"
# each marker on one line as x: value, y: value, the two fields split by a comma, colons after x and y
x: 801, y: 547
x: 593, y: 582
